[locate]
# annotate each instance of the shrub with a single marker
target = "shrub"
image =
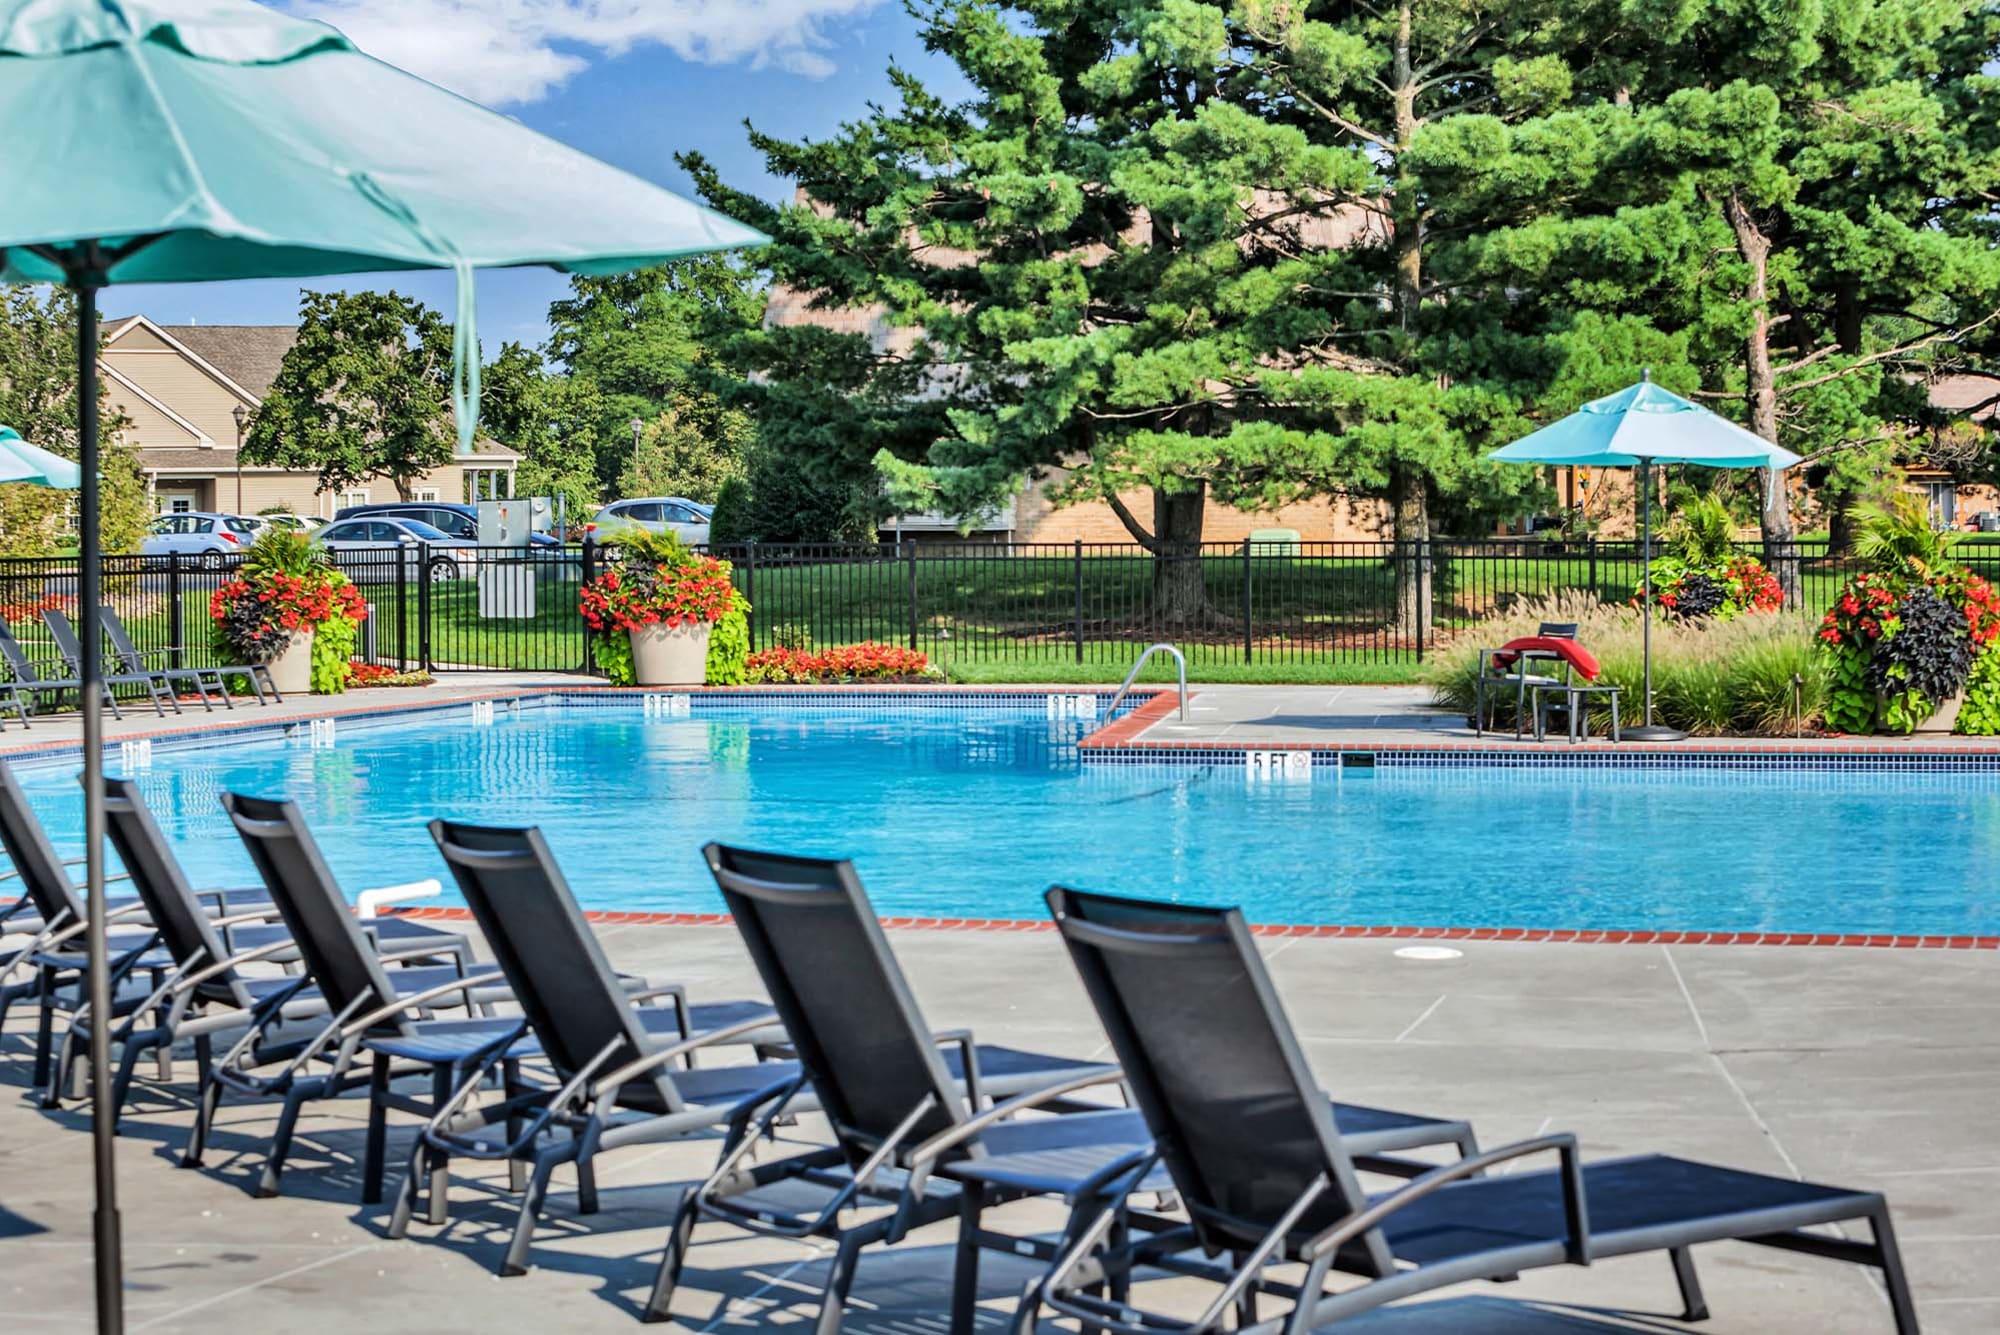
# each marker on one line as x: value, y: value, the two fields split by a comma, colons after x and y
x: 729, y: 526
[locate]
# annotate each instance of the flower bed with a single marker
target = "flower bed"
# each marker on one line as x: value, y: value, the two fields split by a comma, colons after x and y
x: 853, y: 662
x: 1724, y: 590
x: 378, y: 674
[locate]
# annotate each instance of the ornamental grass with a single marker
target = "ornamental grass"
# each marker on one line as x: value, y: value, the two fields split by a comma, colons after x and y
x: 1709, y: 677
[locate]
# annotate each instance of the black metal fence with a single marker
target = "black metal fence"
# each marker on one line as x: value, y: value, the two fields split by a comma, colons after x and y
x: 1027, y: 605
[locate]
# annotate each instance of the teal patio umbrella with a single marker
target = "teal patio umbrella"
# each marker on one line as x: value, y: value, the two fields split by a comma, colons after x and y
x: 1637, y: 428
x: 164, y: 141
x: 22, y: 462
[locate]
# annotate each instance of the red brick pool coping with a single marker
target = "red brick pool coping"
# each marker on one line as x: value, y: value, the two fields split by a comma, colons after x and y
x: 1567, y: 936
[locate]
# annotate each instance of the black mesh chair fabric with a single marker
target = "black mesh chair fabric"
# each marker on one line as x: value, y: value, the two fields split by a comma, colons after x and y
x: 543, y: 943
x: 43, y: 877
x: 344, y: 967
x: 187, y: 932
x: 1213, y: 1064
x: 817, y: 943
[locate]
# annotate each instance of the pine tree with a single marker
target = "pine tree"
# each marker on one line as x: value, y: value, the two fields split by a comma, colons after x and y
x: 1184, y: 247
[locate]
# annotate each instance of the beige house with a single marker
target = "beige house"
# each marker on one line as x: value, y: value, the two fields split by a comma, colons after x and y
x: 187, y: 391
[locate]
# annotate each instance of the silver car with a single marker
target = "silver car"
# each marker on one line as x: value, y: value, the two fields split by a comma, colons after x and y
x: 659, y: 514
x: 205, y: 535
x: 367, y: 549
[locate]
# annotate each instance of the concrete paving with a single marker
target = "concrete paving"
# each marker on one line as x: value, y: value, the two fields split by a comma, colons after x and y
x: 1867, y: 1068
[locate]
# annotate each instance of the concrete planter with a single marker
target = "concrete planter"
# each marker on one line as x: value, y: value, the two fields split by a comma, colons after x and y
x: 292, y: 670
x: 671, y: 657
x: 1945, y: 718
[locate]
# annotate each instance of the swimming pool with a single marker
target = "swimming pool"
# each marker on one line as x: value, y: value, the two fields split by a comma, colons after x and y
x: 961, y: 812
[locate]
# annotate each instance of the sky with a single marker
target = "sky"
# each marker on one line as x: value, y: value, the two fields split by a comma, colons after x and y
x: 631, y: 81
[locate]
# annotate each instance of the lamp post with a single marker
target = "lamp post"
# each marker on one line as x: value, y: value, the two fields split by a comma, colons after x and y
x: 242, y: 416
x: 638, y: 429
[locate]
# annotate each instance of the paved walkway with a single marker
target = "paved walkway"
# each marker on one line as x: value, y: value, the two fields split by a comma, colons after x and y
x: 1864, y: 1068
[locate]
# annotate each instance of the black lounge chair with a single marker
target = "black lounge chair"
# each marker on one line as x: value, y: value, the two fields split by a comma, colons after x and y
x: 134, y: 660
x: 366, y: 1002
x: 915, y: 1136
x: 612, y: 1060
x: 26, y: 679
x: 72, y: 651
x: 209, y: 990
x: 1267, y: 1176
x: 53, y: 960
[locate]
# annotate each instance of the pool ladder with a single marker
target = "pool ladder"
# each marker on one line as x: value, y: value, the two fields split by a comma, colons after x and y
x: 1180, y: 668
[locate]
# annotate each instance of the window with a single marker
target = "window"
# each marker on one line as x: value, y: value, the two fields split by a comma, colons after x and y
x: 1944, y: 504
x: 348, y: 498
x: 345, y: 533
x: 426, y: 494
x: 644, y: 512
x: 199, y: 525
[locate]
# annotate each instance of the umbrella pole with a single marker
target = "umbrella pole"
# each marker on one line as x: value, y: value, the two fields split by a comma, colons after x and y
x: 86, y: 279
x: 1649, y: 732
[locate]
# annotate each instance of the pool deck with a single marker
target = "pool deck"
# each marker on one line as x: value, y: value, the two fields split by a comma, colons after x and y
x: 1871, y: 1069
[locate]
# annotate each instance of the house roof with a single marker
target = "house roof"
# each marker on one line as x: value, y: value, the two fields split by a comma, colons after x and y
x: 249, y: 354
x: 1966, y: 393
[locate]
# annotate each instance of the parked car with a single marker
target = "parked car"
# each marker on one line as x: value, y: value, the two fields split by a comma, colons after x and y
x: 363, y: 548
x: 460, y: 521
x: 208, y: 536
x: 658, y: 514
x: 296, y: 523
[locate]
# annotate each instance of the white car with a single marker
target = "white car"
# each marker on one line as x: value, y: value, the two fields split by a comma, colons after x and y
x: 207, y: 536
x: 659, y: 514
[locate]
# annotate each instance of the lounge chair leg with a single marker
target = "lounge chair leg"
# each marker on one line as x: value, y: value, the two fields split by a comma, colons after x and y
x: 45, y: 1028
x: 965, y: 1272
x: 1694, y: 1307
x: 1028, y: 1312
x: 679, y: 1239
x: 406, y: 1192
x: 515, y: 1262
x: 1901, y: 1305
x: 281, y: 1141
x: 121, y: 1083
x: 586, y: 1187
x: 372, y: 1163
x: 204, y: 1060
x: 211, y: 1099
x: 839, y: 1280
x: 1310, y: 1290
x: 437, y: 1199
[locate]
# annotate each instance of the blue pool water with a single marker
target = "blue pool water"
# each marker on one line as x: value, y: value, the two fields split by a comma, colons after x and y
x: 972, y: 812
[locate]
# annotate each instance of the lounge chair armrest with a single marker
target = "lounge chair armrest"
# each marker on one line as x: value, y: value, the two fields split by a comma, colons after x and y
x: 950, y: 1139
x: 639, y: 1066
x: 361, y: 1025
x: 1417, y: 1188
x: 243, y: 919
x: 14, y: 873
x: 208, y: 971
x: 82, y: 925
x: 653, y: 993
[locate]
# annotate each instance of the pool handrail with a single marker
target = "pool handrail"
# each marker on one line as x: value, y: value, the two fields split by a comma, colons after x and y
x: 1180, y: 667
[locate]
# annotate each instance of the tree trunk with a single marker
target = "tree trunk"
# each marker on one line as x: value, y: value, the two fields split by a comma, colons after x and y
x: 1761, y: 388
x: 1179, y: 597
x: 1409, y: 493
x: 1840, y: 524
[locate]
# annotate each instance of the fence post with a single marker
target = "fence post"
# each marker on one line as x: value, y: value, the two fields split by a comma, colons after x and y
x: 750, y: 592
x: 423, y: 602
x: 1590, y: 546
x: 1246, y: 601
x: 910, y: 559
x: 1423, y: 592
x: 176, y: 617
x: 589, y: 573
x: 1079, y: 600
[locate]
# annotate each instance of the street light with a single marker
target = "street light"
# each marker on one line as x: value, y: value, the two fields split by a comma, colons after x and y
x: 242, y: 416
x: 638, y: 428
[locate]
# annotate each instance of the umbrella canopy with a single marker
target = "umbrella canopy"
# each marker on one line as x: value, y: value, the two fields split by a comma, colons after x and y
x: 1644, y: 425
x: 211, y: 139
x: 22, y: 462
x: 170, y: 141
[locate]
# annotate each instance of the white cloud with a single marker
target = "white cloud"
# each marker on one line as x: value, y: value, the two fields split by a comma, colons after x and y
x: 513, y: 51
